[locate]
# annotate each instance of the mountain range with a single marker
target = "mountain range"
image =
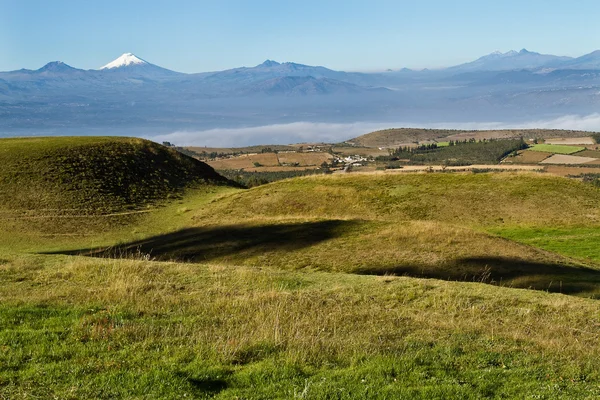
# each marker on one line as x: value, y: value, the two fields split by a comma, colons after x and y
x: 132, y: 93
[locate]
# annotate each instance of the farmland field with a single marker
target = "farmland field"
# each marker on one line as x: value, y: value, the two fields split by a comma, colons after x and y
x: 527, y: 157
x: 567, y: 159
x: 271, y: 160
x: 556, y: 148
x: 589, y: 153
x: 304, y: 159
x: 571, y: 141
x: 246, y: 161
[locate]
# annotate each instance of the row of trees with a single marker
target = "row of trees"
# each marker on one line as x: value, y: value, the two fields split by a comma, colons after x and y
x: 461, y: 153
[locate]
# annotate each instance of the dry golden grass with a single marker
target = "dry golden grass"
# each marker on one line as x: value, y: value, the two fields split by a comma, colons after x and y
x: 304, y: 159
x: 560, y: 170
x: 246, y: 161
x: 276, y: 162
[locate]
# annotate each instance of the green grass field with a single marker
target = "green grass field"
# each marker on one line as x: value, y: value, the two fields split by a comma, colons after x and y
x: 319, y: 287
x: 556, y: 148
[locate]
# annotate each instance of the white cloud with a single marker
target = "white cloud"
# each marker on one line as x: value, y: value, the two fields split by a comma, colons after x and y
x: 300, y: 132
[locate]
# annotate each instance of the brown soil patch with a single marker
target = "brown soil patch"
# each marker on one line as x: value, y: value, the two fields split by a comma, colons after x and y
x: 527, y: 157
x: 564, y: 171
x: 304, y: 159
x: 581, y: 140
x: 567, y: 159
x: 246, y: 161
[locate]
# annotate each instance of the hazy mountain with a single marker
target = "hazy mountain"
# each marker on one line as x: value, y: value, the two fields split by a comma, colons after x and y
x: 306, y: 85
x: 588, y: 61
x: 511, y: 60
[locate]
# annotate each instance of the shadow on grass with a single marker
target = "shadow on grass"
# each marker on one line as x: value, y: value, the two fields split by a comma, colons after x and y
x: 211, y: 386
x: 205, y: 244
x: 237, y: 242
x: 513, y: 272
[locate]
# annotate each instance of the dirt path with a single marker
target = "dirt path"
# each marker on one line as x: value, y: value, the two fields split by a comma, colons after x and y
x: 438, y: 168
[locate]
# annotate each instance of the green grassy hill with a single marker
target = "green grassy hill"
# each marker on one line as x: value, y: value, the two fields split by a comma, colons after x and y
x: 93, y: 174
x: 304, y: 288
x: 58, y: 184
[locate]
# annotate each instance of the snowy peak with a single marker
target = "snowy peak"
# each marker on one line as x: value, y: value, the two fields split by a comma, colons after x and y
x: 125, y: 60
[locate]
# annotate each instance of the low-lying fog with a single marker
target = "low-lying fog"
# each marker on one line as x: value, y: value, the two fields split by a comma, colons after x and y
x: 301, y: 132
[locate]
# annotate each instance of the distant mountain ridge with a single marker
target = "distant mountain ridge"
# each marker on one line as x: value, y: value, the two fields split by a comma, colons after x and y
x: 132, y: 92
x: 511, y: 60
x: 496, y: 61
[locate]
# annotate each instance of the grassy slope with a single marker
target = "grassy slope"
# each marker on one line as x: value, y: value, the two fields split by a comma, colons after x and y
x: 116, y: 328
x: 95, y: 174
x: 244, y: 323
x: 436, y: 225
x: 57, y: 185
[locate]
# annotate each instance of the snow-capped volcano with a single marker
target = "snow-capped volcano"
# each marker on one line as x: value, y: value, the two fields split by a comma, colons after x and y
x: 125, y: 60
x: 131, y: 66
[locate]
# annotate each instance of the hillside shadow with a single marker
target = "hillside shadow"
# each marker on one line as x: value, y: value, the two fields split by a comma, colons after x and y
x: 513, y: 272
x: 203, y: 244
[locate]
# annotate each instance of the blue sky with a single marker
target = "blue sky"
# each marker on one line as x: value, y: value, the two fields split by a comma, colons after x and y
x: 196, y: 36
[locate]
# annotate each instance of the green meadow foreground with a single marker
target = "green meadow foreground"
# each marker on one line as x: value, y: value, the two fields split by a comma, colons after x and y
x: 128, y: 270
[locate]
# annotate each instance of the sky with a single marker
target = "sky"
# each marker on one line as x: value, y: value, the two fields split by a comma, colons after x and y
x: 200, y: 36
